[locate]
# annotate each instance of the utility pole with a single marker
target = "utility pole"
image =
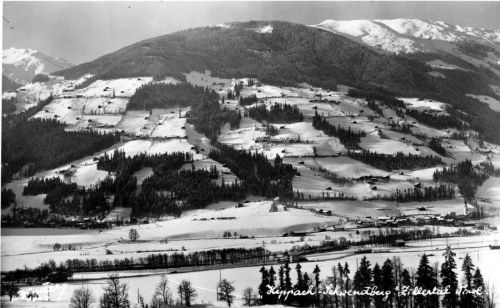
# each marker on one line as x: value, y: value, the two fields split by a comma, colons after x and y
x: 264, y: 253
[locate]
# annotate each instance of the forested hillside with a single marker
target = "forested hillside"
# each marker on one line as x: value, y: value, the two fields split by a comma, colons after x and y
x: 292, y: 54
x: 36, y: 144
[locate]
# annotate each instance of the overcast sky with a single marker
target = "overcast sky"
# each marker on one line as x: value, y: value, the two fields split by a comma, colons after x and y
x: 82, y: 31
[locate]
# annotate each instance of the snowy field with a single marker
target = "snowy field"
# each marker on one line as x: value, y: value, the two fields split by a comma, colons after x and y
x: 206, y: 281
x: 136, y: 123
x: 359, y: 209
x: 374, y: 143
x: 170, y: 125
x: 424, y: 104
x: 342, y: 166
x: 254, y: 219
x: 124, y: 87
x: 250, y: 130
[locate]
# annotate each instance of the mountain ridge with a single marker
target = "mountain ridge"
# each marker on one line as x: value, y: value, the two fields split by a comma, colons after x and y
x: 407, y: 35
x: 22, y: 64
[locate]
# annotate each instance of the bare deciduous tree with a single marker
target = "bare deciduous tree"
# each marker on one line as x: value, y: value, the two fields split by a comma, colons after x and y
x: 248, y: 296
x: 115, y: 294
x: 225, y: 291
x: 82, y: 298
x: 186, y: 292
x: 162, y: 291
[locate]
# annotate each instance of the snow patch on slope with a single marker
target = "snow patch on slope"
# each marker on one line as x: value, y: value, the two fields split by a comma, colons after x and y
x: 265, y: 29
x: 371, y: 33
x: 22, y: 57
x: 421, y: 29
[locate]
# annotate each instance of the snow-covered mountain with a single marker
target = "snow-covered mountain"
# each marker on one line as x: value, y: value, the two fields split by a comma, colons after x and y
x: 408, y: 35
x: 22, y: 65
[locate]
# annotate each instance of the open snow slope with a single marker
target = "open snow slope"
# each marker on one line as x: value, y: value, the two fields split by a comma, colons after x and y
x: 406, y: 35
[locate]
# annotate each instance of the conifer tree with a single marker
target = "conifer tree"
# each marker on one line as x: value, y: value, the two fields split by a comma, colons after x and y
x: 424, y: 280
x: 347, y: 280
x: 377, y: 282
x: 478, y: 284
x: 466, y: 299
x: 388, y: 282
x: 406, y: 283
x: 363, y: 279
x: 316, y: 282
x: 263, y: 285
x: 449, y: 278
x: 272, y: 282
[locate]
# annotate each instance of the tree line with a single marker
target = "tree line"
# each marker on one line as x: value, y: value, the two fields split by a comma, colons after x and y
x: 396, y: 161
x: 421, y: 194
x: 208, y: 117
x: 225, y: 256
x: 349, y: 138
x: 31, y: 145
x: 377, y: 95
x: 166, y: 95
x: 259, y: 175
x: 277, y: 113
x: 389, y: 284
x: 440, y: 121
x: 467, y: 176
x: 248, y: 100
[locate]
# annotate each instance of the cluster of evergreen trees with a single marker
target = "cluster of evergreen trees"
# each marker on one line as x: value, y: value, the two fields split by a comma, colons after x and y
x: 284, y: 284
x: 208, y: 117
x: 437, y: 147
x: 375, y: 107
x: 163, y: 95
x: 467, y: 176
x: 194, y: 188
x: 277, y: 113
x: 8, y: 197
x: 248, y: 100
x: 36, y: 144
x: 378, y: 94
x: 381, y: 286
x: 38, y: 186
x: 440, y: 121
x: 428, y: 193
x: 350, y: 139
x: 397, y: 161
x: 186, y: 188
x: 259, y: 175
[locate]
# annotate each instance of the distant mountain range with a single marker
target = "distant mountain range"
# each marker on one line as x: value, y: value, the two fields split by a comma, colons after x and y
x: 480, y: 47
x: 408, y: 35
x: 21, y: 65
